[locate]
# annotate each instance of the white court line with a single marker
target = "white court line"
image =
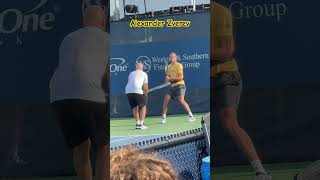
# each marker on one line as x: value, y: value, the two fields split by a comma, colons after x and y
x: 143, y: 135
x: 118, y: 140
x: 124, y: 138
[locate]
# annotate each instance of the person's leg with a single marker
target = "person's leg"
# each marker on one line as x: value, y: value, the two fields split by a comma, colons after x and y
x: 99, y: 135
x: 166, y: 101
x: 227, y: 88
x: 180, y: 93
x: 241, y: 138
x: 81, y: 160
x: 186, y: 108
x: 102, y: 164
x: 142, y: 108
x: 142, y: 114
x: 134, y: 104
x: 135, y: 112
x: 184, y: 104
x: 75, y: 121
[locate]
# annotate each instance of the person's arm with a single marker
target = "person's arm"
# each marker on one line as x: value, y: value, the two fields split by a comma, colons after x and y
x: 104, y: 56
x: 145, y: 88
x: 145, y: 85
x: 167, y: 77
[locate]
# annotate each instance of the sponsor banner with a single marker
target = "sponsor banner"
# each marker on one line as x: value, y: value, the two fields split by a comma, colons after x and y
x: 275, y: 45
x: 30, y: 34
x: 277, y: 51
x: 193, y: 54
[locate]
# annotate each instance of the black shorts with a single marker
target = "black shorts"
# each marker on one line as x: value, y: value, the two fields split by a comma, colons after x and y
x: 226, y: 90
x: 137, y: 100
x: 81, y: 120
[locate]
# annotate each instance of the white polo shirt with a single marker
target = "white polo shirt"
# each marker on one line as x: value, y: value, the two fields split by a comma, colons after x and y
x: 83, y: 58
x: 135, y: 82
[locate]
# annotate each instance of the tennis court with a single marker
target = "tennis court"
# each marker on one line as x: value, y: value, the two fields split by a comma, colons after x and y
x: 284, y: 171
x: 122, y: 130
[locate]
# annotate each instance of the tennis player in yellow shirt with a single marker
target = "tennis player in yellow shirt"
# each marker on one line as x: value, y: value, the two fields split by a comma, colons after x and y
x: 174, y: 74
x: 226, y: 85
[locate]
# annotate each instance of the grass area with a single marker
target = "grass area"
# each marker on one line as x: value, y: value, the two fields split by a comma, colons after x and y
x: 175, y: 124
x: 285, y: 171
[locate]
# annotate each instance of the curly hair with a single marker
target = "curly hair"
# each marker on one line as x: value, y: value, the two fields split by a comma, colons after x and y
x: 133, y: 164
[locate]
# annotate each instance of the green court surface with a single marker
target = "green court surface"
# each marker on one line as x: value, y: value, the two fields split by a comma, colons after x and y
x: 285, y: 171
x: 125, y: 127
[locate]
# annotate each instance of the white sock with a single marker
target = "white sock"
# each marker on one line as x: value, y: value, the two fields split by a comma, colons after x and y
x: 141, y: 122
x: 258, y: 167
x: 190, y: 114
x: 164, y: 116
x: 138, y: 122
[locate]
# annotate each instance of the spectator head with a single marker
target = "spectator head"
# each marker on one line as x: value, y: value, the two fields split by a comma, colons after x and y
x: 132, y: 164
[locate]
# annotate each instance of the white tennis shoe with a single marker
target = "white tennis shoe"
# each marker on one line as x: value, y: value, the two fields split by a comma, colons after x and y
x: 163, y: 120
x: 143, y: 126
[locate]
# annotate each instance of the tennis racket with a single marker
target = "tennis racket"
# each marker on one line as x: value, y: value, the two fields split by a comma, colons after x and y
x: 160, y: 86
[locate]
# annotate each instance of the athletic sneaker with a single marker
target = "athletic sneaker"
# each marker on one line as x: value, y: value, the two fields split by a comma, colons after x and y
x: 143, y: 127
x: 191, y: 119
x: 138, y: 126
x: 163, y: 120
x: 262, y: 176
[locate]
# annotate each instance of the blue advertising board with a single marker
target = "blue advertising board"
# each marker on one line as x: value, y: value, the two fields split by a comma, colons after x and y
x: 193, y: 54
x: 276, y: 47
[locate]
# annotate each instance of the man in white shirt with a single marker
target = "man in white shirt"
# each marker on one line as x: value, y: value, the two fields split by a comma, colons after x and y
x: 78, y: 93
x: 137, y: 90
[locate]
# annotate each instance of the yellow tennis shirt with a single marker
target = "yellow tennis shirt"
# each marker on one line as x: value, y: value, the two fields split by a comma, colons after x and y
x: 221, y: 25
x: 173, y: 71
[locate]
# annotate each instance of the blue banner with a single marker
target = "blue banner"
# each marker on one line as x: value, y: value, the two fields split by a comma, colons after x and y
x: 193, y: 54
x: 276, y: 44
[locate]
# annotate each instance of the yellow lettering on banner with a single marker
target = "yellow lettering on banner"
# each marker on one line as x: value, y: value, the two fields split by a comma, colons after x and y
x: 158, y: 24
x: 132, y: 23
x: 147, y: 24
x: 171, y: 23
